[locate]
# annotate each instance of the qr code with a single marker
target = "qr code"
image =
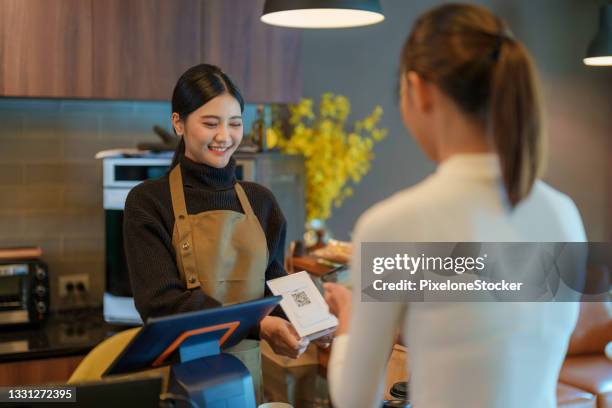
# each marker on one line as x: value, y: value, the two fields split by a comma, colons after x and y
x: 301, y: 298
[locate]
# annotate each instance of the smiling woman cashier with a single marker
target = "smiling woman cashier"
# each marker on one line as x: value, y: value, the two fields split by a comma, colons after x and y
x: 196, y: 238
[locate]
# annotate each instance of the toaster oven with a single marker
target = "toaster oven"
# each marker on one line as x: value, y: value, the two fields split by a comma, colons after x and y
x: 24, y: 292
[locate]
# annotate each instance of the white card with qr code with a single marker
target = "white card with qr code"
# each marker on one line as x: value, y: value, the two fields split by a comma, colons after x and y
x: 303, y: 305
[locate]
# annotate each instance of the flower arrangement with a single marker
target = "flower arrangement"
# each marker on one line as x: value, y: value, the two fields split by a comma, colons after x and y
x: 334, y: 156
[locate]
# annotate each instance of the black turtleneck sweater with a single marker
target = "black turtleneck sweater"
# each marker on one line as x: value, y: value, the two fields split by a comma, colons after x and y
x: 149, y: 221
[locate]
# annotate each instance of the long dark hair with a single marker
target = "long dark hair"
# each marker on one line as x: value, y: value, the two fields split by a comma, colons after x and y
x: 196, y: 87
x: 471, y: 55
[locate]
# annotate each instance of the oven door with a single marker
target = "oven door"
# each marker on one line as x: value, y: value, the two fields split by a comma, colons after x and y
x: 14, y: 294
x: 117, y: 277
x: 118, y: 303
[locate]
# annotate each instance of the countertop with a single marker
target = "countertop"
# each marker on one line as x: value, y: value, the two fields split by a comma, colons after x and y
x: 76, y: 333
x: 62, y: 334
x: 301, y: 382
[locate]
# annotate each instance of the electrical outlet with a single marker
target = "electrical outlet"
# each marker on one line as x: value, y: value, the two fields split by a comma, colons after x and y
x: 65, y: 281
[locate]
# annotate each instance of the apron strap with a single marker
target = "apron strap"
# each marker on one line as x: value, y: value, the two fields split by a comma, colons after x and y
x: 183, y: 225
x: 248, y: 211
x: 244, y: 201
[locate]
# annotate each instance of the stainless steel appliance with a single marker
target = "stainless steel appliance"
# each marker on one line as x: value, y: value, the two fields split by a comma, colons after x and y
x: 24, y: 292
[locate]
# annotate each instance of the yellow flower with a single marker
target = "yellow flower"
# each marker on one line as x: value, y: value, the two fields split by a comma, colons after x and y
x: 271, y: 138
x: 302, y: 110
x: 334, y: 157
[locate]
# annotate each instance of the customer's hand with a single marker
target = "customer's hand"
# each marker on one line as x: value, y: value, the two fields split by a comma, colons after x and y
x: 339, y: 300
x: 281, y: 336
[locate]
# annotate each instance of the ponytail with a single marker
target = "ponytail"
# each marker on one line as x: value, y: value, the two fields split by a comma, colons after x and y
x: 469, y: 53
x: 515, y: 119
x: 180, y: 151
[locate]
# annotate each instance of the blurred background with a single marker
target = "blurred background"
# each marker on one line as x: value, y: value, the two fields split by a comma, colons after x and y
x: 79, y: 77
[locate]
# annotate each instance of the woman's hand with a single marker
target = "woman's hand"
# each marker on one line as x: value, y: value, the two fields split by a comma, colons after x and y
x: 339, y: 300
x: 281, y: 336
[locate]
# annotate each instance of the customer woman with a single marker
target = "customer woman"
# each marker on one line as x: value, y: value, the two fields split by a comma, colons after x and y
x: 468, y: 95
x: 197, y: 238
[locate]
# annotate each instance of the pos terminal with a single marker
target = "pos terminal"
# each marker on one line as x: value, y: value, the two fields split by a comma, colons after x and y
x: 192, y: 343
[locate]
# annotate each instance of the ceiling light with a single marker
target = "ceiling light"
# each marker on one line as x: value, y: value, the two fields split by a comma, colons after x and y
x: 322, y: 13
x: 600, y: 49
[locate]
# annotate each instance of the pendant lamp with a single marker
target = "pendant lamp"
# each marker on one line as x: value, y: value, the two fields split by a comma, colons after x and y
x: 322, y: 13
x: 599, y: 52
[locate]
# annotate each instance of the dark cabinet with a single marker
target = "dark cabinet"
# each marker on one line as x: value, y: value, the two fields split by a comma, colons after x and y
x: 39, y: 371
x: 45, y: 48
x: 140, y: 47
x: 264, y: 61
x: 137, y: 49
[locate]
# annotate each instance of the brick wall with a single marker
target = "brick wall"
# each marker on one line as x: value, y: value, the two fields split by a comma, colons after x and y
x: 50, y: 183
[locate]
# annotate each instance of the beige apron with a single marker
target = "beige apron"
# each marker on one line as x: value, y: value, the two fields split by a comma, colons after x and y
x: 222, y: 252
x: 225, y: 254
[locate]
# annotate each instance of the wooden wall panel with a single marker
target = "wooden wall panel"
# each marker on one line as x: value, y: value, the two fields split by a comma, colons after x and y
x: 43, y: 371
x: 142, y: 46
x: 137, y: 49
x: 264, y: 61
x: 45, y: 48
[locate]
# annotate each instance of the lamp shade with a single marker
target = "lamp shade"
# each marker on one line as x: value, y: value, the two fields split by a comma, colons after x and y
x: 600, y: 49
x: 322, y: 13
